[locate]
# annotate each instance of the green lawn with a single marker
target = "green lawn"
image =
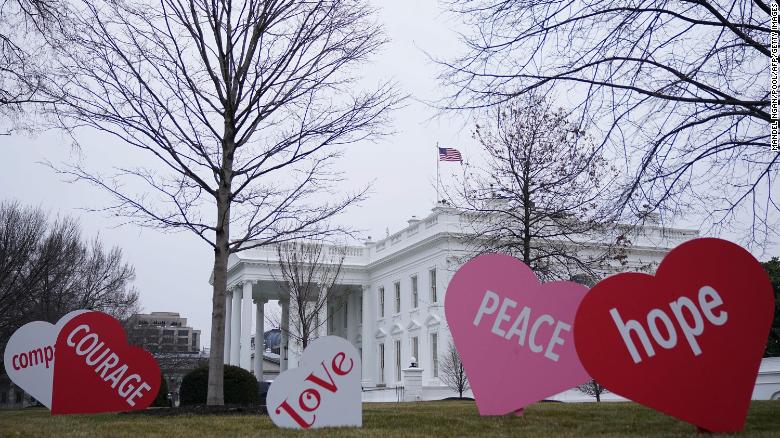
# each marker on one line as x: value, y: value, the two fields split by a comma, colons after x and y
x: 396, y: 419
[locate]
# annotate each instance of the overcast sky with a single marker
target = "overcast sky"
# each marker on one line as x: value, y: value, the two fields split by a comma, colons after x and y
x: 172, y: 270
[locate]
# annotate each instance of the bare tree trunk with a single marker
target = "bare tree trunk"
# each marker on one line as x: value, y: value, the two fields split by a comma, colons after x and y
x: 526, y: 215
x: 306, y: 334
x: 215, y: 395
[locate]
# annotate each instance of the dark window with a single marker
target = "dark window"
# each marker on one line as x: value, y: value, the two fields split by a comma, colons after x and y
x: 381, y: 302
x: 19, y: 396
x: 415, y: 296
x: 183, y: 332
x: 3, y: 397
x: 398, y: 297
x: 432, y: 277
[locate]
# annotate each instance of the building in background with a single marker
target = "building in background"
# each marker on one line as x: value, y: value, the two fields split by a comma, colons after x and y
x: 175, y: 345
x: 163, y: 332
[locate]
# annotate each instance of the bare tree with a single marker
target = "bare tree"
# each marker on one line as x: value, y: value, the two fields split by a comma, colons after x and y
x: 593, y: 389
x: 25, y: 29
x: 538, y: 196
x: 240, y: 104
x: 452, y: 372
x: 677, y: 88
x: 309, y: 273
x: 47, y: 270
x: 21, y: 230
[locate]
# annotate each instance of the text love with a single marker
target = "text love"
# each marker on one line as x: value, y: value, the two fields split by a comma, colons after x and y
x: 310, y: 398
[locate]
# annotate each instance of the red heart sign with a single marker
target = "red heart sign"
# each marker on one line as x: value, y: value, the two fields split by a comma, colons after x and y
x: 688, y: 341
x: 98, y: 372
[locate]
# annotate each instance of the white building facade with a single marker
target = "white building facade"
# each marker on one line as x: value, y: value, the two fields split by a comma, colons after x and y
x: 390, y: 299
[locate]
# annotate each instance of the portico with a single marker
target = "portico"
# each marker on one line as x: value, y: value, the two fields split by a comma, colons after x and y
x: 252, y: 285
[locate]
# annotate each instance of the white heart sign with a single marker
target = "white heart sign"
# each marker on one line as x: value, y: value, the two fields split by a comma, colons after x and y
x: 29, y: 357
x: 323, y: 392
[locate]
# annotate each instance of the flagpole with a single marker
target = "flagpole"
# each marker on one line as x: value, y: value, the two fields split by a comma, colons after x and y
x: 437, y: 173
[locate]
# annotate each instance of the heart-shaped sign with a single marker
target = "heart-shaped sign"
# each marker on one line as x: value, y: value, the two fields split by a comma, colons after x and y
x: 514, y: 334
x: 97, y: 371
x: 688, y: 341
x: 324, y: 391
x: 29, y: 357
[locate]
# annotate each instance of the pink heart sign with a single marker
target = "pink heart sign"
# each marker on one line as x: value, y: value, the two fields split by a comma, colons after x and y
x: 514, y: 334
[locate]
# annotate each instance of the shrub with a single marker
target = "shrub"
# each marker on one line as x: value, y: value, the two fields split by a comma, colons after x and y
x: 240, y: 386
x: 161, y: 400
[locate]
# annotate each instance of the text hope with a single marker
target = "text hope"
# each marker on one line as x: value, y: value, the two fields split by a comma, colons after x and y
x: 708, y: 299
x: 519, y: 327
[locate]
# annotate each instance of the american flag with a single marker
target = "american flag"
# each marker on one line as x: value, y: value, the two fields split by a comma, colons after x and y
x: 449, y: 154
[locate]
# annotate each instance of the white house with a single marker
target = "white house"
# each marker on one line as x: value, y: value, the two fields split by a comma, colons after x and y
x: 768, y: 380
x: 390, y: 300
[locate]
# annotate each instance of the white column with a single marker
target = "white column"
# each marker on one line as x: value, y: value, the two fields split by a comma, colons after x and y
x: 228, y: 324
x: 259, y: 331
x: 285, y: 335
x: 351, y: 316
x: 322, y: 317
x: 235, y: 330
x: 245, y: 354
x: 294, y: 347
x: 328, y: 317
x: 367, y: 336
